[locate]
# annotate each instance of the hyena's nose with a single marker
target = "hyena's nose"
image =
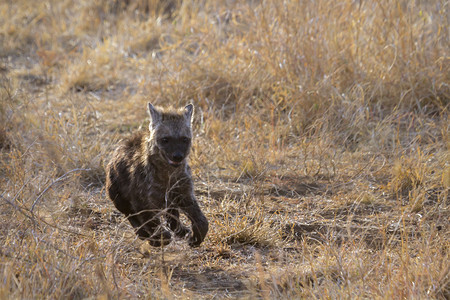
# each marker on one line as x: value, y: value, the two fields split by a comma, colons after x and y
x: 177, y: 157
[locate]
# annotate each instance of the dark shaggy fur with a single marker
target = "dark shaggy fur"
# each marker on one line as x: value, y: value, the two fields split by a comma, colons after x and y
x: 148, y: 178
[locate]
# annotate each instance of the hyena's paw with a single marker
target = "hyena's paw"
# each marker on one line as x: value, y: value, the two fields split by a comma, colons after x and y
x: 199, y: 232
x: 160, y: 238
x: 200, y: 229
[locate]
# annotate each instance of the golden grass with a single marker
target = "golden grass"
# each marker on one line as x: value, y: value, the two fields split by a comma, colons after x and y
x: 321, y: 151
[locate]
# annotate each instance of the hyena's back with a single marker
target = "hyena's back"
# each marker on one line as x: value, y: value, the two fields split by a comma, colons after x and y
x: 120, y: 171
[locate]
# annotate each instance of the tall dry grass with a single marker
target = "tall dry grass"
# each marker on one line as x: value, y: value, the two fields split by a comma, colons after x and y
x: 320, y: 157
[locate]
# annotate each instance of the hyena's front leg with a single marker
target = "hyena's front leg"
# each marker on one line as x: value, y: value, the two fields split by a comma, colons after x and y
x: 198, y: 219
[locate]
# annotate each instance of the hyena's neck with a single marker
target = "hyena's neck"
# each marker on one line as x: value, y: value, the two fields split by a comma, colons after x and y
x: 149, y: 146
x: 151, y: 153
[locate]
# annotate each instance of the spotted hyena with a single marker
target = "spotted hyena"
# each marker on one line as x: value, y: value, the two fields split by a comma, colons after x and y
x: 149, y: 179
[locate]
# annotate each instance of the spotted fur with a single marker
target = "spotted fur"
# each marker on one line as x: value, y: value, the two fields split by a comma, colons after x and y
x: 148, y: 178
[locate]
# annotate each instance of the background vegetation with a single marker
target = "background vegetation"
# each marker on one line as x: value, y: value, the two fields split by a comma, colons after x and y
x: 321, y: 152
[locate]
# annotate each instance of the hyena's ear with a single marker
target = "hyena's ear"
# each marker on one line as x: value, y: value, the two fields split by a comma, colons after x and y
x: 189, y: 112
x: 155, y: 116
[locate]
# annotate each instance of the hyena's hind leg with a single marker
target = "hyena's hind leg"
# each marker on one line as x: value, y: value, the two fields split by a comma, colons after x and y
x: 148, y: 227
x: 146, y: 224
x: 173, y: 219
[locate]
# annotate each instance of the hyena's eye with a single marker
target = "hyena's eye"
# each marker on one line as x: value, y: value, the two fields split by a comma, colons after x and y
x: 185, y: 140
x: 164, y: 140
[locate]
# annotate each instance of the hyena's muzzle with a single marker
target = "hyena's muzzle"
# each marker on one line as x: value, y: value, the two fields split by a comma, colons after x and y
x: 175, y: 149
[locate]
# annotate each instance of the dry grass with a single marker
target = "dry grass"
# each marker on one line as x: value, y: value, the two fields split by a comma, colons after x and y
x: 321, y: 155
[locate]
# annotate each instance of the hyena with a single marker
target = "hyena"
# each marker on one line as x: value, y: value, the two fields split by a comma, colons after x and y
x: 148, y: 178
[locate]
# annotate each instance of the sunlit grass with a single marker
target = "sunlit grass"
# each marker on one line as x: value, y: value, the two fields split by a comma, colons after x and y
x: 320, y: 153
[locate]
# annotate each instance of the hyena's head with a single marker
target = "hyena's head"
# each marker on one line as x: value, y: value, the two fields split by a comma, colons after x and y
x: 171, y: 133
